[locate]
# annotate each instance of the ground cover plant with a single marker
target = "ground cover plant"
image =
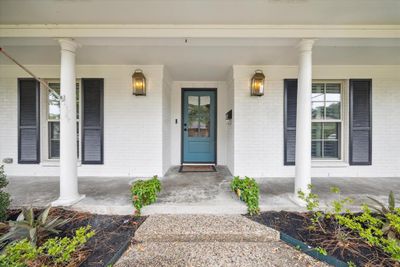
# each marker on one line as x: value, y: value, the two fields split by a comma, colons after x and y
x: 4, y: 196
x: 86, y: 240
x: 144, y: 192
x: 364, y: 238
x: 248, y: 191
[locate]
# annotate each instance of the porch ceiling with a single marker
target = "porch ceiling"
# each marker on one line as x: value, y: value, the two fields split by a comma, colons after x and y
x: 204, y: 58
x: 200, y: 12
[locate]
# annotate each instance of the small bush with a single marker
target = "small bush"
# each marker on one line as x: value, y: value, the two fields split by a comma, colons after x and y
x: 144, y: 192
x: 4, y: 197
x: 248, y: 191
x: 54, y: 252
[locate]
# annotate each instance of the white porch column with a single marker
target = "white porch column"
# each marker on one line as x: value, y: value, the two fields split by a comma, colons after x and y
x: 68, y: 137
x: 303, y: 123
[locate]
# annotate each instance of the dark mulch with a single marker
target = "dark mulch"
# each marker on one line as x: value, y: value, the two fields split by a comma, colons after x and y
x: 349, y: 248
x: 112, y: 232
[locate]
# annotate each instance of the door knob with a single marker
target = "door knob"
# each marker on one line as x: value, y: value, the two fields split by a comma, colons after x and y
x: 185, y: 129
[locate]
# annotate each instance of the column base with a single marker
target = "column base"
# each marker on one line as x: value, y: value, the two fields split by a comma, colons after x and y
x: 64, y: 202
x: 298, y: 201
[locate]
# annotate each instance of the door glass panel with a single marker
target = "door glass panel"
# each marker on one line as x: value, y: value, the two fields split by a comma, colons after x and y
x: 204, y: 116
x: 193, y: 118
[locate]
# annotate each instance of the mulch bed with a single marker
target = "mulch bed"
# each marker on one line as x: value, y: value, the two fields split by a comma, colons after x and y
x: 351, y: 248
x: 112, y: 232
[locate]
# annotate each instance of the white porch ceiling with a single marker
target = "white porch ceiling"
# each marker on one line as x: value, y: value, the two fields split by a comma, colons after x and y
x: 206, y: 59
x: 274, y: 12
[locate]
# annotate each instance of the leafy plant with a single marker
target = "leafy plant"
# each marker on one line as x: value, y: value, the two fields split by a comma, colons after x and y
x: 31, y: 228
x: 144, y: 192
x: 4, y: 196
x: 371, y: 228
x: 17, y: 253
x: 55, y: 251
x: 61, y: 249
x: 248, y: 191
x: 321, y: 251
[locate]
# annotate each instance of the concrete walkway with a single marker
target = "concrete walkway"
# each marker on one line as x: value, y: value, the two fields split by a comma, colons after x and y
x: 191, y: 193
x: 209, y: 240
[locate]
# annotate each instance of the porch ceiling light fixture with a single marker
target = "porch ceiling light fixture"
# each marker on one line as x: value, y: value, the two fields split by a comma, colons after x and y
x: 257, y: 83
x: 138, y: 83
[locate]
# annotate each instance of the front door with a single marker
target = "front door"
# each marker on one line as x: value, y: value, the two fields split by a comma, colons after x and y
x: 199, y: 126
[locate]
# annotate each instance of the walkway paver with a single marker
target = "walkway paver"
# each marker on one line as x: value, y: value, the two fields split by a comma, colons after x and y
x: 209, y: 240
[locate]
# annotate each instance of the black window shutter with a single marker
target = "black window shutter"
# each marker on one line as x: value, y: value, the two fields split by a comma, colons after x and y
x: 92, y: 124
x: 28, y: 121
x: 360, y: 149
x: 290, y: 110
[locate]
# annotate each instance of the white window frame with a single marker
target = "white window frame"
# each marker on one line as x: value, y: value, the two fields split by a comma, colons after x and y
x: 343, y: 141
x: 45, y: 153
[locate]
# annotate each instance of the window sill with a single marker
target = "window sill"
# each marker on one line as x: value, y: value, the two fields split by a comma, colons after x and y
x: 329, y: 164
x: 54, y: 163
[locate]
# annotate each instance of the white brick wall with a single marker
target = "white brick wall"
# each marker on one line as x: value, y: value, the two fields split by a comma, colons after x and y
x: 132, y: 125
x: 258, y: 127
x: 142, y: 139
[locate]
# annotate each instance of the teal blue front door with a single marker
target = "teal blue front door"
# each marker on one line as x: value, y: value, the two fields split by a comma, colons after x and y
x: 199, y: 126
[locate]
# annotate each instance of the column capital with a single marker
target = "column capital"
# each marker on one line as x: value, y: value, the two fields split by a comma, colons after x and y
x: 68, y: 44
x: 306, y: 45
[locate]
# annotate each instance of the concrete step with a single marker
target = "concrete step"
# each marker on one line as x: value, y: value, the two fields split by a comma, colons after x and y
x: 203, y: 228
x: 273, y: 253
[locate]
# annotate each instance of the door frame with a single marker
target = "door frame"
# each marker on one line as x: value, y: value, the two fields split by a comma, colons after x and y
x: 215, y: 119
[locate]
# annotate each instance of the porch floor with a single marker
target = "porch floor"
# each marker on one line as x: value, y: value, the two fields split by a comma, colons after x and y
x: 192, y: 193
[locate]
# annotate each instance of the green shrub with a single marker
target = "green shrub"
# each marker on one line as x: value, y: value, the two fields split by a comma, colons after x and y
x: 54, y: 252
x: 29, y: 227
x: 4, y: 196
x: 144, y: 192
x: 18, y: 253
x: 61, y: 249
x: 248, y: 191
x: 380, y: 230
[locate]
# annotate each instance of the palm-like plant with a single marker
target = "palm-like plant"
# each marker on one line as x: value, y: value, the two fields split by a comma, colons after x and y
x: 382, y: 208
x: 26, y: 226
x: 390, y: 216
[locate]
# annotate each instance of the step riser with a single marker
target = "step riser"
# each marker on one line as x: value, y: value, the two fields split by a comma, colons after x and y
x: 203, y: 228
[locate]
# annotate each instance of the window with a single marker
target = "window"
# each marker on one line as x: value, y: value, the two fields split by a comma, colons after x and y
x: 326, y: 120
x: 53, y: 120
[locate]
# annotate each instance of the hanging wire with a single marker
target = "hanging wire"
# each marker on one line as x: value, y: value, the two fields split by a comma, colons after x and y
x: 58, y: 97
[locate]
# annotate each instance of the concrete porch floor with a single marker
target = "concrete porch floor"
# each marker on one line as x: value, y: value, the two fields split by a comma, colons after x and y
x: 192, y: 193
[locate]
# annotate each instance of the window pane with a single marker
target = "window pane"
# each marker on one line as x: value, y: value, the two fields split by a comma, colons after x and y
x: 331, y: 131
x: 54, y: 104
x: 331, y: 149
x: 317, y: 130
x: 316, y: 149
x: 318, y: 92
x: 204, y: 116
x: 54, y: 140
x: 333, y: 92
x: 333, y: 110
x: 193, y: 120
x: 318, y: 110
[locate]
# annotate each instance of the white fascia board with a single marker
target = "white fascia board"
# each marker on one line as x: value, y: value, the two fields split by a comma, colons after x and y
x: 201, y: 31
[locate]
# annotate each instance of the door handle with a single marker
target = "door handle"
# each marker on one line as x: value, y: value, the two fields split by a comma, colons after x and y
x: 185, y: 129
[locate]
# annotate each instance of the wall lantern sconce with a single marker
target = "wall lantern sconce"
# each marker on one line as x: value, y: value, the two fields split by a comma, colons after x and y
x: 257, y: 83
x: 138, y: 83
